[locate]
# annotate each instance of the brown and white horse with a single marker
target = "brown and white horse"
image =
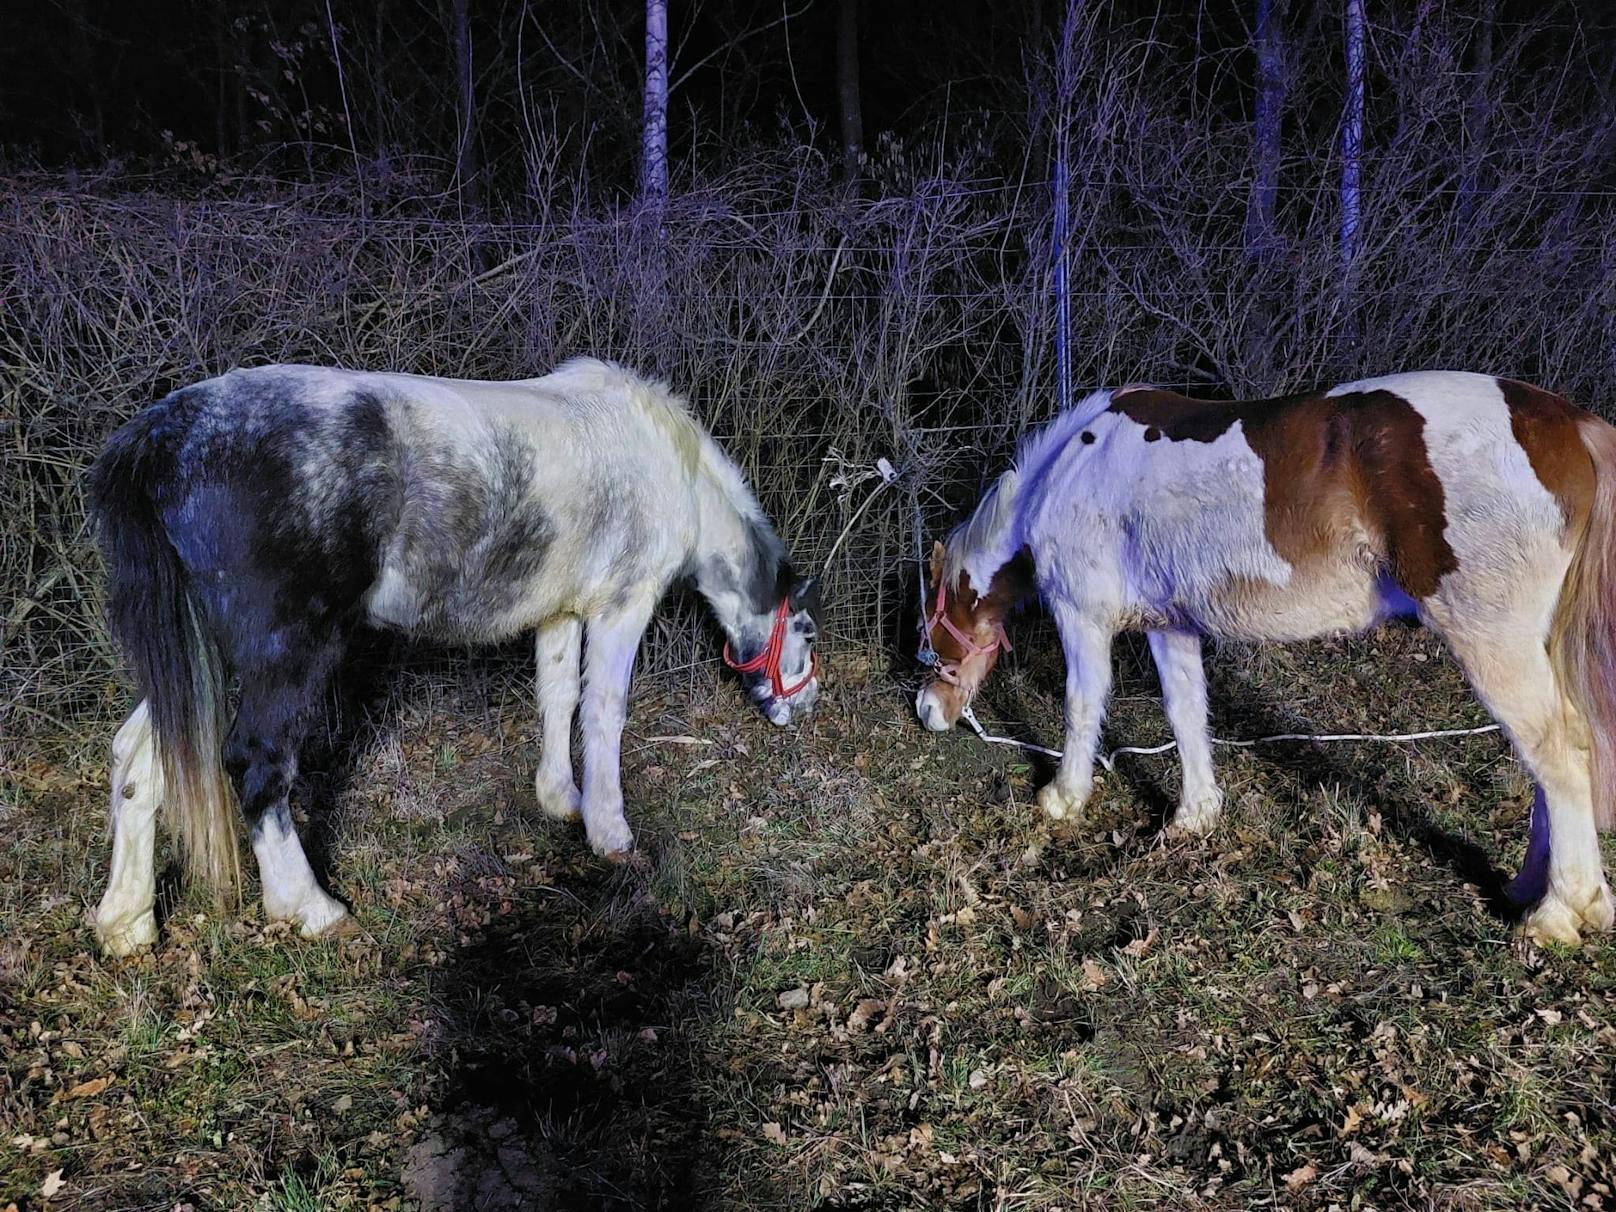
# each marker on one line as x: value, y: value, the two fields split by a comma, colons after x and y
x: 1484, y: 506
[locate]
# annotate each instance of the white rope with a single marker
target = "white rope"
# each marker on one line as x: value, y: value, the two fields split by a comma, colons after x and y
x: 1108, y: 760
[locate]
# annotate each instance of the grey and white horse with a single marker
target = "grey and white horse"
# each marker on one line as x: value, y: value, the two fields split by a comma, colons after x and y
x: 251, y: 521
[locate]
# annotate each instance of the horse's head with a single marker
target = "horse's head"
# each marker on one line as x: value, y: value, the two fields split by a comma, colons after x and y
x: 965, y: 631
x: 779, y: 662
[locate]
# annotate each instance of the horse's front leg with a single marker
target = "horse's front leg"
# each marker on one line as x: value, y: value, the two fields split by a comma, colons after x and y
x: 124, y: 921
x: 1087, y: 645
x: 1183, y: 682
x: 614, y: 639
x: 557, y: 649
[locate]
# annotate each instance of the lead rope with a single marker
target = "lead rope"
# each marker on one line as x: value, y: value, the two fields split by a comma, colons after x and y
x: 1108, y: 760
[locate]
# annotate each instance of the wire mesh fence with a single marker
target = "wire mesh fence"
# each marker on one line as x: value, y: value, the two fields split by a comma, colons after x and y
x: 868, y: 362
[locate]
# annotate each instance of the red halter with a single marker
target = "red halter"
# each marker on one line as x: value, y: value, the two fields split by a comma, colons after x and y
x: 769, y: 659
x: 949, y: 670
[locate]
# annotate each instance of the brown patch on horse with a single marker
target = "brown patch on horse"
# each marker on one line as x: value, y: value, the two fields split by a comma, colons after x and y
x: 1546, y: 426
x: 1331, y: 465
x: 977, y: 615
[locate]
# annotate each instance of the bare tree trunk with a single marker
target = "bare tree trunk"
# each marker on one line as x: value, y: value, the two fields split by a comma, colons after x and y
x: 1065, y: 72
x: 1266, y: 137
x: 1478, y: 115
x: 1261, y: 237
x: 847, y: 87
x: 1351, y: 172
x: 654, y: 159
x: 1352, y: 135
x: 468, y: 169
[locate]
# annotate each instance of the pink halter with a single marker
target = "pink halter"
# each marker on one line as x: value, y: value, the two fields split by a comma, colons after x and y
x: 949, y: 670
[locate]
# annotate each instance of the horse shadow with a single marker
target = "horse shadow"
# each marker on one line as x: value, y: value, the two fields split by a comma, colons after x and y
x: 561, y: 1066
x: 570, y: 1075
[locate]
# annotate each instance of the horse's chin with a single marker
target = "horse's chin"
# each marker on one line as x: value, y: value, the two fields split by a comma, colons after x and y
x: 781, y: 712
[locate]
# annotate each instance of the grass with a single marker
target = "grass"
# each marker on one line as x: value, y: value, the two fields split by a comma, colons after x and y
x: 857, y: 971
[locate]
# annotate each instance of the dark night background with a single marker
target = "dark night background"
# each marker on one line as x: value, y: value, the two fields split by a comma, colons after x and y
x: 299, y: 88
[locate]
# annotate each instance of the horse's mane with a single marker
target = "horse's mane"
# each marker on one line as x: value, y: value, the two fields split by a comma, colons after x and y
x: 992, y: 530
x: 670, y: 412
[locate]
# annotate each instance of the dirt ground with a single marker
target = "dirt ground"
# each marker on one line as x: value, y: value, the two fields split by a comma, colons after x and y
x: 855, y: 970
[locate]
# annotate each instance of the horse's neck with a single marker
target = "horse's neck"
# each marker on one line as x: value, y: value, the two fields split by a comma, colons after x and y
x: 737, y: 560
x: 990, y: 538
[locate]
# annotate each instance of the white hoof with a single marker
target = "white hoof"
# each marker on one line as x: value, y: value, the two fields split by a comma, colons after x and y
x: 125, y: 936
x: 1199, y: 816
x: 1061, y: 805
x: 315, y: 914
x: 1553, y: 921
x: 1597, y: 909
x: 610, y: 838
x: 560, y: 801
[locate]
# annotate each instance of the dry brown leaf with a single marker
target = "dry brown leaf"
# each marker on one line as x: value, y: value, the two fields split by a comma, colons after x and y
x: 1093, y: 974
x: 1142, y: 946
x: 90, y: 1088
x: 1301, y: 1176
x: 866, y: 1010
x: 1350, y: 1124
x: 774, y: 1133
x: 52, y: 1184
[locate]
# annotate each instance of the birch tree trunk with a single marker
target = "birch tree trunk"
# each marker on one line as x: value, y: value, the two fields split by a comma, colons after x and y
x: 654, y: 157
x: 1266, y: 135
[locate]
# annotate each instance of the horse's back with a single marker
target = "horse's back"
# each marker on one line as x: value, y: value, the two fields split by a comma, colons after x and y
x: 1316, y: 512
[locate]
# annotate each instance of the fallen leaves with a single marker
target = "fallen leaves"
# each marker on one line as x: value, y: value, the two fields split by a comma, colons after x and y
x: 1301, y: 1176
x: 89, y: 1089
x: 52, y: 1185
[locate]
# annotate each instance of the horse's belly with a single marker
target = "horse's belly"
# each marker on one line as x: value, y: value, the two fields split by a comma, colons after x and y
x: 1312, y: 601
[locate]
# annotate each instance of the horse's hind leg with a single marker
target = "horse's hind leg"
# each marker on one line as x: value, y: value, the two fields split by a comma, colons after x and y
x: 1183, y: 682
x: 124, y: 920
x: 278, y: 696
x: 557, y: 649
x: 614, y: 639
x: 1516, y: 681
x: 1087, y: 646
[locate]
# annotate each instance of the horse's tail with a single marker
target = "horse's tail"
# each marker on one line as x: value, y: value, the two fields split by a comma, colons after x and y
x: 1582, y: 638
x: 158, y: 621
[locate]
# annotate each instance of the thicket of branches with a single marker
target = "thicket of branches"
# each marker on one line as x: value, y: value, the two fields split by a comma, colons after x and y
x: 819, y: 329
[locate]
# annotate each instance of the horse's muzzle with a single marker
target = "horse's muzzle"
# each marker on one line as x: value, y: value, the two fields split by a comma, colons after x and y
x: 931, y: 710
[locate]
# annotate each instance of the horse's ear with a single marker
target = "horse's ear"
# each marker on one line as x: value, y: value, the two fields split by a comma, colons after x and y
x: 937, y: 561
x: 805, y: 595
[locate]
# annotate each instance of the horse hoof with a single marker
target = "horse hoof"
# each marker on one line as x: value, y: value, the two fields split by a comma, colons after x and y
x: 1553, y: 921
x: 342, y: 927
x: 559, y: 803
x: 1059, y: 806
x: 121, y: 938
x: 1197, y: 819
x: 1598, y: 910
